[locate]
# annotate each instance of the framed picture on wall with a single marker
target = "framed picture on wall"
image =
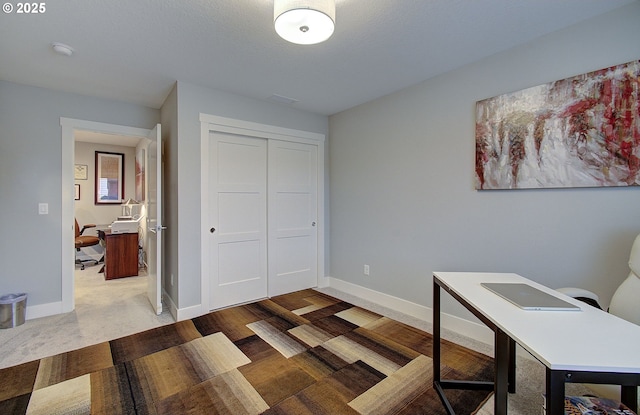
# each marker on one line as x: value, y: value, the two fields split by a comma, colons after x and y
x: 80, y: 172
x: 77, y: 188
x: 575, y: 132
x: 140, y: 175
x: 109, y: 185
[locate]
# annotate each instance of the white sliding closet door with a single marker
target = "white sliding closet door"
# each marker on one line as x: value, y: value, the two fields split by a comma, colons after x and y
x: 293, y: 210
x: 238, y: 219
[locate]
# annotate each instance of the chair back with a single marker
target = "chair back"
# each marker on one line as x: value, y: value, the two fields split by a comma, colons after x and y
x: 624, y: 302
x: 634, y: 257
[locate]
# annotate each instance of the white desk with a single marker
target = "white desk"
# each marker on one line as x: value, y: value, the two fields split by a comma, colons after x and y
x: 588, y: 346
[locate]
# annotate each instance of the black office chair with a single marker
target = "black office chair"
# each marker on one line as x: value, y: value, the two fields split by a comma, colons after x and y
x: 83, y: 241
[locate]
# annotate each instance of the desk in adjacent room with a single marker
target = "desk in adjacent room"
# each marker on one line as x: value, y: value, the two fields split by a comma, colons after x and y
x: 587, y: 346
x: 120, y: 254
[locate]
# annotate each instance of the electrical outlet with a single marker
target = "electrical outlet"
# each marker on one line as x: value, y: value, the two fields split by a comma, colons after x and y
x: 366, y: 269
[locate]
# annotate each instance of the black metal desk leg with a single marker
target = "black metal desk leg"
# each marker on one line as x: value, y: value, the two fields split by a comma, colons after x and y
x: 502, y: 345
x: 436, y: 350
x: 436, y: 332
x: 512, y: 365
x: 555, y: 392
x: 501, y: 362
x: 629, y: 397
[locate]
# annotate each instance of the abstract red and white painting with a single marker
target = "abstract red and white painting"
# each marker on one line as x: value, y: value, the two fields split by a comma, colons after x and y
x: 582, y: 131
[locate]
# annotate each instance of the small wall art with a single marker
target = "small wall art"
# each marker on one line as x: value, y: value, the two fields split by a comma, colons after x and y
x: 80, y: 172
x: 582, y: 131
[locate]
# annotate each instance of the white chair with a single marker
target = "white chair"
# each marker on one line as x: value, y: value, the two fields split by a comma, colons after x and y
x: 625, y: 302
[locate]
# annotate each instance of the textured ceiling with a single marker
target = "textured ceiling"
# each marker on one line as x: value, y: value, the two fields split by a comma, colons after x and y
x: 134, y: 51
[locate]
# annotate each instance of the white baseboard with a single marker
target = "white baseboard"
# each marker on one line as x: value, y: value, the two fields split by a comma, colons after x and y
x: 459, y: 325
x: 189, y: 312
x: 173, y: 309
x: 180, y: 314
x: 324, y: 282
x: 43, y: 310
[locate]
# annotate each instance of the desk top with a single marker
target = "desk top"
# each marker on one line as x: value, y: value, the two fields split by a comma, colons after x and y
x: 586, y: 340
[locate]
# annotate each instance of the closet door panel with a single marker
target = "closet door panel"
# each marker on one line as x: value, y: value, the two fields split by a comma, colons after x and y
x: 238, y: 191
x: 242, y: 212
x: 239, y: 263
x: 293, y: 246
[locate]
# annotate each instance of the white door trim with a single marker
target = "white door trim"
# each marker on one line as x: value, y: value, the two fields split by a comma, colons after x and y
x: 209, y: 123
x: 69, y: 126
x: 252, y: 129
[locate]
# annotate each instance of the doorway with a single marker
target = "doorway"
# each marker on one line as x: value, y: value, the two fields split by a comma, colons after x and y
x: 97, y: 132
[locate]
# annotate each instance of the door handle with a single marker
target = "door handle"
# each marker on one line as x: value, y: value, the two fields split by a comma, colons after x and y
x: 313, y: 224
x: 212, y: 230
x: 155, y: 229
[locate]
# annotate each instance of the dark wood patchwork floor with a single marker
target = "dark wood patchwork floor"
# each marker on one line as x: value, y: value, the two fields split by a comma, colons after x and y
x: 300, y: 353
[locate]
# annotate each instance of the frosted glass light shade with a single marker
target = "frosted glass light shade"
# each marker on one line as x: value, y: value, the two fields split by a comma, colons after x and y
x: 304, y: 22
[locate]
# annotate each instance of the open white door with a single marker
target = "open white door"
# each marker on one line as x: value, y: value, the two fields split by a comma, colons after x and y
x: 154, y: 219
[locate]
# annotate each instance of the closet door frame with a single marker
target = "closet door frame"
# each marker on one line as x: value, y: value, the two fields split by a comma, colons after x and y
x: 211, y: 123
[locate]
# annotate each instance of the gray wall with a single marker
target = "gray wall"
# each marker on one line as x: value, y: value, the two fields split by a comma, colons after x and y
x: 183, y: 194
x: 30, y: 173
x: 402, y: 181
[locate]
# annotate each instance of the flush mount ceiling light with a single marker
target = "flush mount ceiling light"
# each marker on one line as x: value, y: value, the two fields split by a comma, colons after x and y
x: 304, y: 22
x: 62, y: 49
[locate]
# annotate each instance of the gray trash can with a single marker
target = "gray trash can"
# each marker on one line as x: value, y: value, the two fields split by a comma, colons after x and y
x: 13, y: 308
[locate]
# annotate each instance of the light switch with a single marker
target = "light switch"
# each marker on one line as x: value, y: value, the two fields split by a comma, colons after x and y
x: 43, y: 208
